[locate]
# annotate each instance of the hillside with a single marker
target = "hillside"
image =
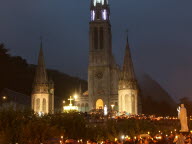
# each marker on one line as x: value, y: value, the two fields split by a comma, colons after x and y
x: 155, y: 98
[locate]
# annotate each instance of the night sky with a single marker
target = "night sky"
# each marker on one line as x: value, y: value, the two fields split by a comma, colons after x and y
x: 160, y: 36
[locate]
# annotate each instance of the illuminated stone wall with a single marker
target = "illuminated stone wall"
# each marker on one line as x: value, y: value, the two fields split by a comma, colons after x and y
x: 128, y: 101
x: 41, y: 103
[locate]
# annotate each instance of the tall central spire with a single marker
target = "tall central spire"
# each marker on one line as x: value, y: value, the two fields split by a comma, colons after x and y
x: 41, y: 75
x: 128, y: 69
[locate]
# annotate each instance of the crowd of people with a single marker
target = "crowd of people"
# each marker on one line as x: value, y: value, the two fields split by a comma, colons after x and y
x: 182, y: 138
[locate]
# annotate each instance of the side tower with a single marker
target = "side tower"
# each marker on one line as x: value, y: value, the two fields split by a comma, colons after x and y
x: 43, y: 90
x: 101, y: 60
x: 128, y: 88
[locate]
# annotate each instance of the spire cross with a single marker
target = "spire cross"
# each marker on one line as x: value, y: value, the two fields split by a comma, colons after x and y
x: 41, y: 40
x: 70, y: 99
x: 127, y: 34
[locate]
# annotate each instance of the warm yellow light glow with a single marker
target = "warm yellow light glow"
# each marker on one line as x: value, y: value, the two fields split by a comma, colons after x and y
x: 70, y: 107
x: 112, y: 106
x: 99, y: 104
x: 158, y: 137
x: 148, y: 132
x: 122, y: 136
x: 4, y: 97
x: 115, y: 139
x: 75, y: 96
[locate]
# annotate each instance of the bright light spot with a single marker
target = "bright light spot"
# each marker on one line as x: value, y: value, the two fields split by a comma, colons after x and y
x: 4, y: 97
x: 104, y: 14
x: 105, y: 110
x: 40, y: 114
x: 92, y: 15
x: 123, y: 137
x: 75, y: 97
x: 158, y: 137
x: 98, y: 1
x: 70, y: 107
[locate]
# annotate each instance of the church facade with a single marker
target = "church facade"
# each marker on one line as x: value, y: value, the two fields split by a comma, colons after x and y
x: 42, y: 99
x: 108, y: 84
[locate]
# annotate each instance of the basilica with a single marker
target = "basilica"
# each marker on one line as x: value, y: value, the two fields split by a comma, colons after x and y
x: 109, y: 85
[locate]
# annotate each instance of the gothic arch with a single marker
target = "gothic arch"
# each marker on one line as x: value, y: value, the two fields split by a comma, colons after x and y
x: 133, y: 103
x: 86, y: 107
x: 99, y: 104
x: 37, y: 105
x: 127, y: 103
x: 79, y: 107
x: 116, y: 106
x: 44, y: 105
x: 82, y: 107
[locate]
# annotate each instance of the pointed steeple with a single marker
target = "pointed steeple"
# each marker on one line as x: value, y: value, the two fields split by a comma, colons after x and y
x: 80, y: 89
x: 41, y: 75
x: 128, y: 69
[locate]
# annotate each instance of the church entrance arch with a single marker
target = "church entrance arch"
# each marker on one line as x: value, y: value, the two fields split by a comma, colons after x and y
x: 99, y: 104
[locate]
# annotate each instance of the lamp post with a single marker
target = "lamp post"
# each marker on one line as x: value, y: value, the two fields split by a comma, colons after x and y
x: 112, y: 106
x: 75, y: 99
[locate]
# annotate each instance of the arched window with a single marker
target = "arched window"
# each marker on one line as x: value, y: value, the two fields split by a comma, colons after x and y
x: 116, y: 106
x: 44, y: 105
x: 82, y: 107
x: 133, y: 103
x: 101, y: 38
x: 86, y: 107
x: 95, y: 38
x: 79, y: 107
x: 37, y: 105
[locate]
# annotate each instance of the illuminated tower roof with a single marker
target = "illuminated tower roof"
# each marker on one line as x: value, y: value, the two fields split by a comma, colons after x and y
x: 100, y: 10
x: 41, y: 75
x: 128, y: 69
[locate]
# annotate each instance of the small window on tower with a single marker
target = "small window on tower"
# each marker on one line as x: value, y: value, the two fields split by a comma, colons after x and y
x: 95, y: 38
x: 104, y: 14
x: 101, y: 38
x: 92, y: 15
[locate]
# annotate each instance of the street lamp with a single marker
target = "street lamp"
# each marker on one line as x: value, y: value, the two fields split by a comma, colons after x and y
x: 123, y: 137
x: 112, y: 106
x: 75, y: 97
